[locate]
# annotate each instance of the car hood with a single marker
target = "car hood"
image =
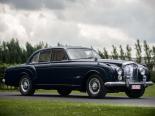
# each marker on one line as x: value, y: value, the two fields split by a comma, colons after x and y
x: 107, y: 61
x: 118, y: 62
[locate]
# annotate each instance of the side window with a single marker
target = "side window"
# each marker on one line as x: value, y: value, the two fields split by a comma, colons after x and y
x: 35, y: 58
x: 45, y: 56
x: 59, y: 54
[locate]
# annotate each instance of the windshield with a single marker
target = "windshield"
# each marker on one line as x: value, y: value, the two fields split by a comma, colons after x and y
x: 82, y: 53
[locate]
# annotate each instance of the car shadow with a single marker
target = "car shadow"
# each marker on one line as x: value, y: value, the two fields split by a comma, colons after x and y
x: 74, y: 96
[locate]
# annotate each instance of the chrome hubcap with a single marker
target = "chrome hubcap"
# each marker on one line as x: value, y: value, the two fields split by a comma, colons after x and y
x: 94, y: 86
x: 25, y: 84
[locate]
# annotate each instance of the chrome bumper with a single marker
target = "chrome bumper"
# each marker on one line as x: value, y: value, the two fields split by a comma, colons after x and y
x: 111, y: 84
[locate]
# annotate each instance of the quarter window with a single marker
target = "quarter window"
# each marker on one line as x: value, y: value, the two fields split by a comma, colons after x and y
x: 35, y: 58
x: 45, y: 56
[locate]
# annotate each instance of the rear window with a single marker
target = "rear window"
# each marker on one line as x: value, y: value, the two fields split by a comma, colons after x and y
x: 59, y: 54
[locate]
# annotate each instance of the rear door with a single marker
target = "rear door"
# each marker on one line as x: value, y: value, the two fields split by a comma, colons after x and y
x: 61, y: 68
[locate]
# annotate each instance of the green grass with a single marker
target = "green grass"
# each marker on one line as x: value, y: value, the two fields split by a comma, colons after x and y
x: 149, y: 92
x: 57, y: 108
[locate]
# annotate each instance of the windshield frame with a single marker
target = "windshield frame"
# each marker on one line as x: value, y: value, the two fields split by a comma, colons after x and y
x: 92, y: 50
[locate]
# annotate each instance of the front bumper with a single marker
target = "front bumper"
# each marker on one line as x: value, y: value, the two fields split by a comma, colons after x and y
x: 114, y: 84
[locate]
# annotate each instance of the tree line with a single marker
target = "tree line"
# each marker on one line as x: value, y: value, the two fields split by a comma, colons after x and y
x: 147, y: 58
x: 12, y: 53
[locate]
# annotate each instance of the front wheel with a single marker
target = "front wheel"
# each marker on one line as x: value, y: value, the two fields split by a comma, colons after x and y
x: 64, y: 92
x: 95, y: 87
x: 135, y: 93
x: 25, y: 86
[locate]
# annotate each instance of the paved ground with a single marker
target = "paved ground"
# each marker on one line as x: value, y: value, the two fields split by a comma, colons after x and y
x: 144, y: 101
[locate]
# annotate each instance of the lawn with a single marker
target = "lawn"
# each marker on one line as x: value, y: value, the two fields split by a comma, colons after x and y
x: 149, y: 92
x: 52, y: 108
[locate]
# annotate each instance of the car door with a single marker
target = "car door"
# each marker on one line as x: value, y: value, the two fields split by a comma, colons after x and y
x: 60, y: 67
x: 43, y: 67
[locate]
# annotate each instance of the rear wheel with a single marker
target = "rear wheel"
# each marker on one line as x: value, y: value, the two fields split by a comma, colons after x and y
x: 64, y: 92
x: 95, y: 87
x: 135, y: 93
x: 25, y: 86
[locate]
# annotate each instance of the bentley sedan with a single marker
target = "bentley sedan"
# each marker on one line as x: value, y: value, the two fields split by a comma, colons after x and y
x: 78, y: 68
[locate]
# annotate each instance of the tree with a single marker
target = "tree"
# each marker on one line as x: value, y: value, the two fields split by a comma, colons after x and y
x: 101, y: 54
x: 122, y: 54
x: 128, y: 52
x: 5, y: 57
x: 29, y: 49
x: 14, y: 51
x: 153, y: 56
x: 147, y: 56
x: 105, y: 52
x: 114, y: 52
x: 59, y: 44
x: 138, y: 52
x: 1, y: 52
x: 40, y: 46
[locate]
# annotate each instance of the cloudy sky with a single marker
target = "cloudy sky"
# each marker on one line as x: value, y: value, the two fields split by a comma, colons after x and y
x: 97, y: 23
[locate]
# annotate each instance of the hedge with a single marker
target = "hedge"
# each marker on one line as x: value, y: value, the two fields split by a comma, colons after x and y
x: 3, y: 67
x: 153, y: 76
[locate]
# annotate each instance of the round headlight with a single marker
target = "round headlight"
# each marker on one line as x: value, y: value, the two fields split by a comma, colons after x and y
x: 120, y: 78
x: 119, y: 71
x: 142, y: 71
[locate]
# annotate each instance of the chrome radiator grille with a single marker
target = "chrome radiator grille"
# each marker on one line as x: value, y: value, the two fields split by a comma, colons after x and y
x: 131, y: 72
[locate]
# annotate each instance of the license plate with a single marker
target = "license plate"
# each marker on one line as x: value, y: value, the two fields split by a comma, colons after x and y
x: 135, y: 87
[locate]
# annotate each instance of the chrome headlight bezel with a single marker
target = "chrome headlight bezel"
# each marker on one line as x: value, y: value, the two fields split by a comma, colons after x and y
x: 119, y: 72
x: 142, y: 70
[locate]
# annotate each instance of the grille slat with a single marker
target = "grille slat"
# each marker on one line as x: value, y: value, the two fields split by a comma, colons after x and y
x: 131, y: 71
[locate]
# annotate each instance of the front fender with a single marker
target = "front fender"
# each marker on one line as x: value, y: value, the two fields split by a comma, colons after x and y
x: 14, y: 74
x: 109, y: 73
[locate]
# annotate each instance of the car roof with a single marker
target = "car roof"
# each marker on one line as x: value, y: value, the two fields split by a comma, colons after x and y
x: 65, y: 47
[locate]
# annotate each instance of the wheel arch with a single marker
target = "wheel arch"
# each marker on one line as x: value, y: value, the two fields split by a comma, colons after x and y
x: 24, y: 71
x: 88, y: 74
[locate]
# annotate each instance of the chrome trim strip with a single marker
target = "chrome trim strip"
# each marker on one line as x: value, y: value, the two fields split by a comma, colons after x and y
x: 114, y: 84
x: 128, y: 62
x: 57, y: 84
x: 149, y: 83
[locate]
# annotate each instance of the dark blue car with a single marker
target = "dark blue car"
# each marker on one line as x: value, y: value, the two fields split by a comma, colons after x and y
x: 78, y: 68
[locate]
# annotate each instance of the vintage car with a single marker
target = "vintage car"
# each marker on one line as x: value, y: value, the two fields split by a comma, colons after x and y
x: 78, y: 68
